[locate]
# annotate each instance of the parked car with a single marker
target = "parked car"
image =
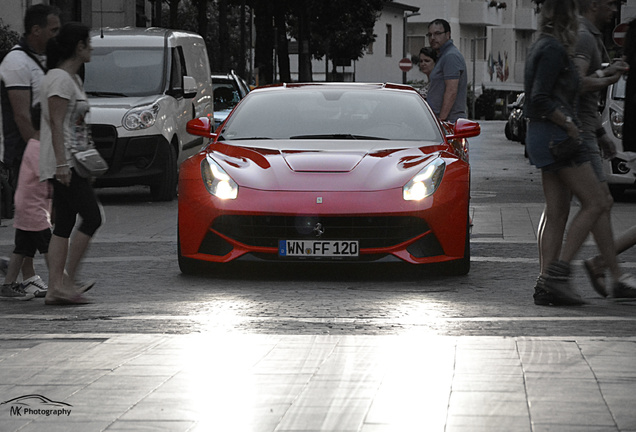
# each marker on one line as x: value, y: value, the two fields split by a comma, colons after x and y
x: 345, y: 172
x: 620, y: 176
x: 144, y: 85
x: 229, y: 89
x: 515, y: 128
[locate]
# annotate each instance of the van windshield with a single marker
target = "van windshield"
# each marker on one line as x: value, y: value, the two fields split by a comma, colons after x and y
x: 121, y: 71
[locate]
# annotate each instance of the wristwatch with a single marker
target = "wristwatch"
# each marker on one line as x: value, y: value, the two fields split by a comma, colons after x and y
x: 600, y: 73
x: 568, y: 119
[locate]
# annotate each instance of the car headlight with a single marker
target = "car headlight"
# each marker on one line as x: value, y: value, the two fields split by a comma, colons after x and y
x: 217, y: 181
x: 141, y: 117
x: 616, y: 121
x: 426, y: 182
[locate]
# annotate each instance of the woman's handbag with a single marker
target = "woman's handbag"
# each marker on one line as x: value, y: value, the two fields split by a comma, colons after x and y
x: 89, y: 163
x: 564, y: 149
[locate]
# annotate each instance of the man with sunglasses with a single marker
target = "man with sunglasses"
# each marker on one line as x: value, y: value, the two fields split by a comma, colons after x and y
x: 447, y: 92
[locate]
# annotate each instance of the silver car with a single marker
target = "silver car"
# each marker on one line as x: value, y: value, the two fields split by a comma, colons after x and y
x: 229, y: 89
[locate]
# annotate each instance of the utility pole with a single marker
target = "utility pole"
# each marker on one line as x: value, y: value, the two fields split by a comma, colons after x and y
x: 406, y: 17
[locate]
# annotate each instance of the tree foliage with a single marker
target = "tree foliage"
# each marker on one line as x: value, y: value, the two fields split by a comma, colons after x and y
x: 339, y: 30
x: 8, y: 38
x: 336, y: 29
x: 342, y: 30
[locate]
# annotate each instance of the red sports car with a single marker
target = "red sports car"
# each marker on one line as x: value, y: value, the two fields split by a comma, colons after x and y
x: 328, y: 172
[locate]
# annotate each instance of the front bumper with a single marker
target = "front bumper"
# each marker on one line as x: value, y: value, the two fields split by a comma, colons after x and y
x: 387, y: 227
x: 131, y: 160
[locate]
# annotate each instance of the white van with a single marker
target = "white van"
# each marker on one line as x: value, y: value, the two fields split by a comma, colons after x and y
x: 144, y: 84
x: 620, y: 176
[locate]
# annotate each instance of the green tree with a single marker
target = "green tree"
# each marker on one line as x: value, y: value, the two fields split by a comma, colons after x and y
x: 343, y: 30
x: 332, y: 28
x: 8, y: 38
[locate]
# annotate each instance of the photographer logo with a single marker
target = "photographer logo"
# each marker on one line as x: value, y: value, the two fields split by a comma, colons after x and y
x: 35, y: 404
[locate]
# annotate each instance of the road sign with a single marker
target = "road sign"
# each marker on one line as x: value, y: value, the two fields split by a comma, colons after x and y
x: 406, y: 64
x: 619, y: 33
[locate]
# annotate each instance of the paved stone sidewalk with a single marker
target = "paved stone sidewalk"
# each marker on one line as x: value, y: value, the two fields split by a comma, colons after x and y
x: 237, y: 382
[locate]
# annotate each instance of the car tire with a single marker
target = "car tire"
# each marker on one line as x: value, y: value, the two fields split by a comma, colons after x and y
x: 508, y: 132
x: 165, y: 188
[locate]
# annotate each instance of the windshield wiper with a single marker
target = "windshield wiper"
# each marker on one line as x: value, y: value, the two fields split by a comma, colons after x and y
x: 105, y: 94
x: 337, y: 136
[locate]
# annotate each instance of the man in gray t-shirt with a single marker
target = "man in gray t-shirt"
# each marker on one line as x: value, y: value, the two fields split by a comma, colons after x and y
x: 447, y: 91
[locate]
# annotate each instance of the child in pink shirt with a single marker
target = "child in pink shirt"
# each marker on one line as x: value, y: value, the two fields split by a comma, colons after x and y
x: 32, y: 223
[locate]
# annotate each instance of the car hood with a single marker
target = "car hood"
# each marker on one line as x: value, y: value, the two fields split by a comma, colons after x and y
x: 316, y: 166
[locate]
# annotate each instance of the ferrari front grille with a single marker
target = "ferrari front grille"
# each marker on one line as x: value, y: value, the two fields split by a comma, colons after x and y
x: 371, y: 232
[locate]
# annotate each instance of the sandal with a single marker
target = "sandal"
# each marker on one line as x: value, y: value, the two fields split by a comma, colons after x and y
x: 596, y: 278
x: 83, y: 286
x: 53, y: 300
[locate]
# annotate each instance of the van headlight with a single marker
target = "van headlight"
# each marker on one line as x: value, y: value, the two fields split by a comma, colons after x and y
x: 616, y: 122
x: 426, y: 182
x: 217, y: 181
x: 141, y: 117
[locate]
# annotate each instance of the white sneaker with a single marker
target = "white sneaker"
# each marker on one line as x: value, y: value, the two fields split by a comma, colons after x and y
x: 35, y: 285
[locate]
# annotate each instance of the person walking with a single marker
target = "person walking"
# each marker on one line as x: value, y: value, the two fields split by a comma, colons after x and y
x: 551, y: 86
x: 64, y: 107
x: 448, y: 80
x: 21, y: 74
x: 428, y: 59
x: 589, y: 57
x: 32, y: 224
x: 596, y: 266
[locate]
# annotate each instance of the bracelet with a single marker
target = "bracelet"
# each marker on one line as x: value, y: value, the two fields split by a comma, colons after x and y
x: 62, y: 166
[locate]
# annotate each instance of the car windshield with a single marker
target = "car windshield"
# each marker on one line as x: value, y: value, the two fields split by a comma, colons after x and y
x: 226, y: 95
x: 125, y: 72
x: 618, y: 91
x: 332, y: 113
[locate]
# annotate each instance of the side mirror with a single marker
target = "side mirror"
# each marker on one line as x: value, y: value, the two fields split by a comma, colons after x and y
x: 190, y: 89
x: 465, y: 129
x: 202, y: 126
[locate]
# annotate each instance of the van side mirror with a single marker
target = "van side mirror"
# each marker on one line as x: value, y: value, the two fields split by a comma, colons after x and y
x: 189, y: 87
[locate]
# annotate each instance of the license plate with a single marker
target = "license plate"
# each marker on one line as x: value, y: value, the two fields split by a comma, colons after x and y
x: 318, y: 248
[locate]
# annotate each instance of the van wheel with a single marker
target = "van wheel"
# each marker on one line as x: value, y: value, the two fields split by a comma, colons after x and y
x: 165, y: 189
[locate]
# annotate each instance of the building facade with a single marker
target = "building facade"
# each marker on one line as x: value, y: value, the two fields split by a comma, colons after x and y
x: 94, y: 13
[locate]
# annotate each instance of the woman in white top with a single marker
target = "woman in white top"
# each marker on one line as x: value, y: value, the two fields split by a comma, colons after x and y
x: 64, y: 107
